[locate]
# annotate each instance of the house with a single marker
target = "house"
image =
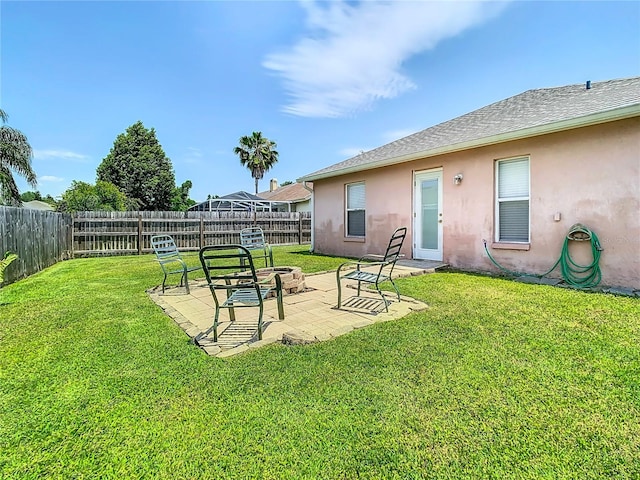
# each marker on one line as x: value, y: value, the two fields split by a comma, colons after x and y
x: 296, y: 195
x: 517, y: 173
x: 38, y: 205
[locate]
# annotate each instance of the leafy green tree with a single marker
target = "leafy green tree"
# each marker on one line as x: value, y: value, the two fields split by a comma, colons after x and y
x: 82, y: 196
x: 181, y: 201
x: 284, y: 184
x: 138, y: 166
x: 257, y: 153
x: 30, y: 196
x: 50, y: 200
x: 15, y: 156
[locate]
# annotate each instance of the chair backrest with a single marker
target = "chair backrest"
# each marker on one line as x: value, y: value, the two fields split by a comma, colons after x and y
x: 395, y: 245
x: 252, y: 237
x: 164, y: 247
x: 226, y: 265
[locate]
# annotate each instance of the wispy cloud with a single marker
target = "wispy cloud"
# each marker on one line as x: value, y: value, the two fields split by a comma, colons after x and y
x: 353, y: 52
x: 393, y: 135
x: 192, y: 156
x: 387, y: 137
x: 60, y: 154
x: 352, y: 151
x: 50, y: 178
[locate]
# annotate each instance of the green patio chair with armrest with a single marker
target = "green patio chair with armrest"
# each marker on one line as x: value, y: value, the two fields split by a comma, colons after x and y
x: 252, y: 238
x: 230, y: 269
x: 383, y: 268
x: 170, y: 260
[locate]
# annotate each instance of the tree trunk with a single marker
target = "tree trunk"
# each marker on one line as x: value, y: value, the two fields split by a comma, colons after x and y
x: 255, y: 220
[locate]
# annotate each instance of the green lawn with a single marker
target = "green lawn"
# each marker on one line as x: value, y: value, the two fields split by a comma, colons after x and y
x: 495, y: 380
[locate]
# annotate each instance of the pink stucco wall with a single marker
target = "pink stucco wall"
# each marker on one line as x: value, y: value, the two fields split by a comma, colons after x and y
x: 588, y: 175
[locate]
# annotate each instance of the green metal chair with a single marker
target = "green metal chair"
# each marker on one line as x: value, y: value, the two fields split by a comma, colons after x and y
x: 230, y: 268
x: 170, y: 260
x: 383, y: 268
x: 252, y: 238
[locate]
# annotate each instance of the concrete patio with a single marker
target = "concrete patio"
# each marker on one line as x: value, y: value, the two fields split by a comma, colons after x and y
x: 310, y: 316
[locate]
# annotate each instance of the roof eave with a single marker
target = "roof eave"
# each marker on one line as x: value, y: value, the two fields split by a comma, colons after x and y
x: 621, y: 113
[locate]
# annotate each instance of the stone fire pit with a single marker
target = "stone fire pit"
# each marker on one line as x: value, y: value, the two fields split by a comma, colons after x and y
x: 292, y: 279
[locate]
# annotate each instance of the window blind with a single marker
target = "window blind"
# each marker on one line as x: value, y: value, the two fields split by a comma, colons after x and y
x: 356, y: 217
x: 355, y: 223
x: 514, y: 221
x: 355, y: 196
x: 513, y: 200
x: 513, y: 178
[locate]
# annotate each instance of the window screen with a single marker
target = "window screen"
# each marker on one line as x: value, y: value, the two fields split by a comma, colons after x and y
x: 513, y: 200
x: 355, y: 210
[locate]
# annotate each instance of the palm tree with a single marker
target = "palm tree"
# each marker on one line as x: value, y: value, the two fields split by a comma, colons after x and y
x: 15, y: 156
x: 5, y: 262
x: 257, y: 153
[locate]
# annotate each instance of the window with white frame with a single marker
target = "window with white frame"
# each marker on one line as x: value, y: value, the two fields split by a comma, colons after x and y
x: 355, y: 209
x: 512, y: 200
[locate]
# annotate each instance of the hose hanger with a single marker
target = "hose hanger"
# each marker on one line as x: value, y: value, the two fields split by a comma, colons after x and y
x: 576, y: 275
x: 579, y: 233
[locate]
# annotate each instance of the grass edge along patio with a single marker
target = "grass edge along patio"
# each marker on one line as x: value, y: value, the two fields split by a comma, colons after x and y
x: 496, y: 379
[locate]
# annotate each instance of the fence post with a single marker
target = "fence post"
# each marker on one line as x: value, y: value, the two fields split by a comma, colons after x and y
x: 201, y: 231
x: 139, y: 234
x: 299, y: 228
x: 71, y: 238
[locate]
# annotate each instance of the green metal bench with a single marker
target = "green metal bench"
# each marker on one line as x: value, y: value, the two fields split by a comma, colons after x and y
x: 382, y: 268
x: 170, y: 260
x: 230, y: 268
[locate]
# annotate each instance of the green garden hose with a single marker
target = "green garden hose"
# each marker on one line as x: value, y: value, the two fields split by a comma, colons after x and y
x: 576, y: 275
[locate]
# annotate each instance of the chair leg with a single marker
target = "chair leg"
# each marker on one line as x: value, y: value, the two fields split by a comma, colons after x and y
x: 339, y: 289
x: 185, y: 276
x: 260, y: 322
x: 232, y: 311
x: 184, y: 279
x: 163, y: 282
x: 280, y: 307
x: 215, y: 325
x: 279, y: 297
x: 395, y: 288
x: 384, y: 300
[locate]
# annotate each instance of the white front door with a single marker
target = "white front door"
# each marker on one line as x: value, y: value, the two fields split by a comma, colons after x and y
x: 427, y: 215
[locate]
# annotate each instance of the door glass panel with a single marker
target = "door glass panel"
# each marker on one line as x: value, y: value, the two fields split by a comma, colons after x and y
x: 429, y: 196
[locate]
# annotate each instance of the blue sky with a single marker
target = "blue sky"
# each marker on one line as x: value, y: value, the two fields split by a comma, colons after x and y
x: 324, y: 80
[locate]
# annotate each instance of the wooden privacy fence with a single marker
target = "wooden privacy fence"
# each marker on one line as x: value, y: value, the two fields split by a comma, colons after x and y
x: 125, y: 233
x: 40, y: 238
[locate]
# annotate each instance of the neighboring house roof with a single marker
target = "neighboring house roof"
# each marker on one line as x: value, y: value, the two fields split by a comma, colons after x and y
x: 294, y: 192
x: 237, y: 201
x: 534, y: 112
x: 37, y: 205
x: 242, y: 195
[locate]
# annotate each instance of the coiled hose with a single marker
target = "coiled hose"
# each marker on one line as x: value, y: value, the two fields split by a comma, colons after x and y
x: 576, y: 275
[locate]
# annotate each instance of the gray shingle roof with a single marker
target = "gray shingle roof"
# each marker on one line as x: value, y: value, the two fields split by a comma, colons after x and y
x: 294, y: 192
x: 527, y: 114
